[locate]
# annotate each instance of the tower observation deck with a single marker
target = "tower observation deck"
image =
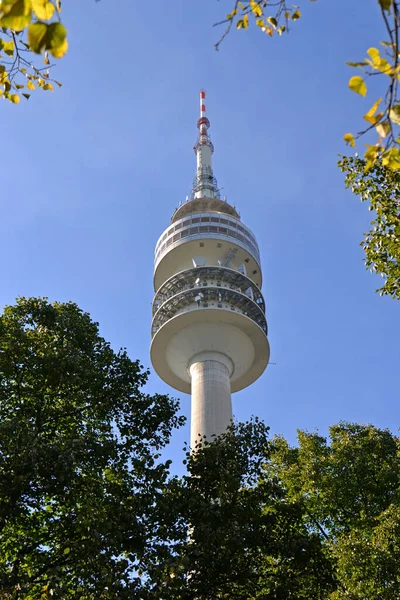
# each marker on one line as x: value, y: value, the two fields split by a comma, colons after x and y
x: 209, y: 330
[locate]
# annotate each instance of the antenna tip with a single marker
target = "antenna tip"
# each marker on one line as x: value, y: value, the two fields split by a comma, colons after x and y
x: 202, y: 93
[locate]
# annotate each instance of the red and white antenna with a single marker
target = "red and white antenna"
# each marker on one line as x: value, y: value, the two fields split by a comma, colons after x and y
x: 204, y: 148
x: 203, y: 124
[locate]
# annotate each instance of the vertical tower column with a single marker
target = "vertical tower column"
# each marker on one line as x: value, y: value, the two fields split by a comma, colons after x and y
x: 211, y: 395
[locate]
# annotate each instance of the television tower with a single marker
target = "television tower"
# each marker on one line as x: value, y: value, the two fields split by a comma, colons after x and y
x: 209, y: 331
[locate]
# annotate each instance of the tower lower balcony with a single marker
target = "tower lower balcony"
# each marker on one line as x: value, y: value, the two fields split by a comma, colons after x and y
x: 209, y: 309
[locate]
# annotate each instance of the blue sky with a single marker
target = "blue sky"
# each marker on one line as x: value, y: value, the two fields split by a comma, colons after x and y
x: 92, y: 173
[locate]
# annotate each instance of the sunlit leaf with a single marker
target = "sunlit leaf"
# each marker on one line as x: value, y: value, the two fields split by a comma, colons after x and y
x: 349, y: 139
x: 370, y: 115
x: 357, y: 84
x: 16, y: 14
x: 8, y: 48
x: 394, y: 114
x: 37, y: 33
x: 57, y: 43
x: 43, y: 9
x: 383, y: 129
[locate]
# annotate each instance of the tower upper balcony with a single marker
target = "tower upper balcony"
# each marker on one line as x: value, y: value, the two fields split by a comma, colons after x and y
x: 203, y: 205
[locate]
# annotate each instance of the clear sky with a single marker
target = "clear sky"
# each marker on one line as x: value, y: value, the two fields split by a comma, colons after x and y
x: 92, y: 173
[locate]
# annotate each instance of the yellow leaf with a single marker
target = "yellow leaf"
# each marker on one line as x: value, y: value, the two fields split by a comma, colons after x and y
x: 8, y: 48
x: 272, y: 21
x: 394, y: 114
x: 374, y: 54
x: 256, y: 9
x: 260, y: 22
x: 369, y: 116
x: 48, y: 86
x: 349, y: 139
x: 242, y: 23
x: 296, y: 15
x: 371, y: 156
x: 43, y: 9
x: 15, y: 99
x: 30, y: 85
x: 357, y: 84
x: 383, y: 129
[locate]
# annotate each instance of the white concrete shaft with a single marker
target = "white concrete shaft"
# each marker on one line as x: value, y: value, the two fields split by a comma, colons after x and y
x: 211, y: 395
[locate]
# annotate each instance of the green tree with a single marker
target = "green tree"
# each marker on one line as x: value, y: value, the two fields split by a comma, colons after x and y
x: 380, y: 187
x: 349, y: 491
x: 80, y: 469
x: 247, y: 539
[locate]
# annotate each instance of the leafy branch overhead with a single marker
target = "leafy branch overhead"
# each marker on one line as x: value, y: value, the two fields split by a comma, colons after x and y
x: 384, y: 115
x: 29, y: 26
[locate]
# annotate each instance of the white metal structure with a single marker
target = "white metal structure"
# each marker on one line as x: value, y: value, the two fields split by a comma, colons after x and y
x: 209, y: 331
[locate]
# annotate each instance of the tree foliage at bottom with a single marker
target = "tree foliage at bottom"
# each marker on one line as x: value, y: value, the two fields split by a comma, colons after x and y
x: 80, y: 469
x: 89, y: 508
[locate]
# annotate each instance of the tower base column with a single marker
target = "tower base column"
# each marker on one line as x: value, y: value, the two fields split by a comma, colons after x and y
x: 211, y: 395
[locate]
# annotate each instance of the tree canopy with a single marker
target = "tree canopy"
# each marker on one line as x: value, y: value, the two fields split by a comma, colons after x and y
x: 89, y: 508
x: 349, y: 489
x: 80, y: 467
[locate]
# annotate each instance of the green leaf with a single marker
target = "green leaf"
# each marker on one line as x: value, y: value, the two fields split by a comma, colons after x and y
x: 67, y: 551
x: 391, y: 159
x: 357, y: 64
x: 357, y: 85
x: 386, y: 4
x: 37, y: 33
x: 57, y: 43
x: 15, y: 14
